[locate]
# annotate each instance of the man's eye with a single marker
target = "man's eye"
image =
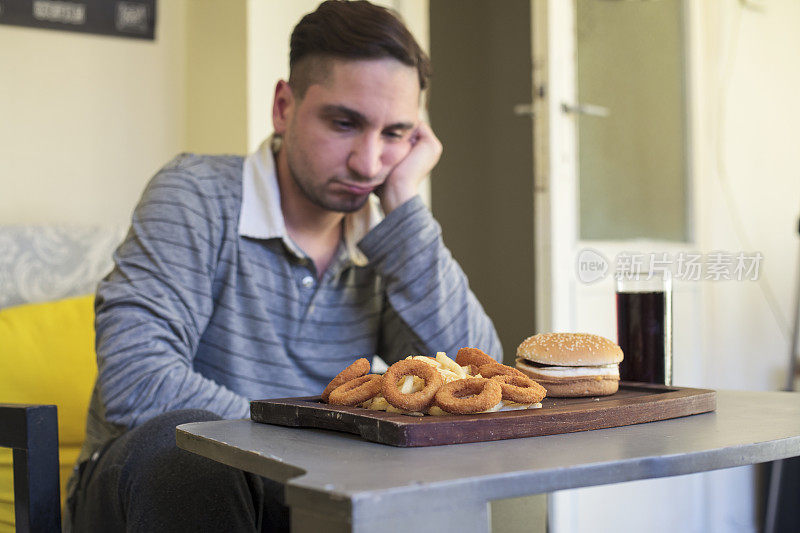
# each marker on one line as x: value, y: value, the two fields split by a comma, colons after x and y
x: 393, y: 134
x: 343, y: 124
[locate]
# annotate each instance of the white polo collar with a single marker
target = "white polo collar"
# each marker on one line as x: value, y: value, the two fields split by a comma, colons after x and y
x: 261, y: 216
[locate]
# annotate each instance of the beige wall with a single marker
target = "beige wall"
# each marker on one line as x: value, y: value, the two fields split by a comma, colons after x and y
x: 216, y: 76
x: 748, y: 118
x: 748, y: 197
x: 269, y: 25
x: 85, y: 119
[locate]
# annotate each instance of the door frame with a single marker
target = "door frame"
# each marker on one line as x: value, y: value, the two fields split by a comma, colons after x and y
x: 555, y: 157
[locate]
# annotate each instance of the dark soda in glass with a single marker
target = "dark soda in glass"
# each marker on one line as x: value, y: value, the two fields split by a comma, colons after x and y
x: 644, y: 332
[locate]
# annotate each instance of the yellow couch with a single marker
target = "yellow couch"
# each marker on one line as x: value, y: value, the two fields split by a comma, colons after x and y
x: 47, y: 357
x: 47, y: 273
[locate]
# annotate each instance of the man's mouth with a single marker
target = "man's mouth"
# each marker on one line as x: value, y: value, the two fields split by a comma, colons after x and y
x: 357, y: 189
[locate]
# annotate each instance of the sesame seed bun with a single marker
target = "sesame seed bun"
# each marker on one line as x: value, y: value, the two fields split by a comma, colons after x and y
x: 569, y: 349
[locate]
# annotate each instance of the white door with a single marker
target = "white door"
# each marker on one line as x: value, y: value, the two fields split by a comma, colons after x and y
x: 612, y: 181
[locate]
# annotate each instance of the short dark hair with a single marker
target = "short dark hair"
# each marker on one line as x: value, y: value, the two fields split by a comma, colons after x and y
x: 350, y: 30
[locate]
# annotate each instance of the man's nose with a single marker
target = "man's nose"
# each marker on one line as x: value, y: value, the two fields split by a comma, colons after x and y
x: 365, y: 157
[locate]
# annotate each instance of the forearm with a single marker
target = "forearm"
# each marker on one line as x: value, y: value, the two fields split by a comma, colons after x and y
x: 430, y: 305
x: 144, y: 367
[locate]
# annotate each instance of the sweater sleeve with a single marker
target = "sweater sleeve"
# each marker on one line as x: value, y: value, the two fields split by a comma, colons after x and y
x: 430, y: 306
x: 153, y: 307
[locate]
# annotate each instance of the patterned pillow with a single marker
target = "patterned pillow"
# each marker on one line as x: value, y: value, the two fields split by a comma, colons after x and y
x: 44, y: 263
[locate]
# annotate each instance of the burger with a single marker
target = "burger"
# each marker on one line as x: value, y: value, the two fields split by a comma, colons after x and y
x: 571, y: 364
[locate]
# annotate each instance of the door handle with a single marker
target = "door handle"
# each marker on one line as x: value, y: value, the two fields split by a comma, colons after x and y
x: 585, y: 109
x: 523, y: 110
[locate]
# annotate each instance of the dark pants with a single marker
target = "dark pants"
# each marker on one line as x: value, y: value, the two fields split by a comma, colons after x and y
x: 143, y: 482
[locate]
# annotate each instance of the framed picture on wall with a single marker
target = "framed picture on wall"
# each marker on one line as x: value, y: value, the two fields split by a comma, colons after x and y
x: 120, y: 18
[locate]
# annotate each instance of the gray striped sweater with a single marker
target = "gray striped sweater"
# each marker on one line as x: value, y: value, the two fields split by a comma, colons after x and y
x: 196, y: 316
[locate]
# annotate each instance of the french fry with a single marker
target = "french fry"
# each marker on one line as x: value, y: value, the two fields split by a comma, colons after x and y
x: 449, y: 364
x: 411, y: 384
x: 514, y: 406
x: 425, y: 359
x: 449, y: 376
x: 379, y: 403
x: 437, y: 411
x: 408, y: 384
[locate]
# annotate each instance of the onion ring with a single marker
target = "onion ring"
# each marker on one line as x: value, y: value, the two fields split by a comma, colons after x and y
x: 496, y: 369
x: 357, y: 390
x: 357, y: 369
x: 415, y: 401
x: 472, y: 395
x: 474, y: 357
x: 520, y: 389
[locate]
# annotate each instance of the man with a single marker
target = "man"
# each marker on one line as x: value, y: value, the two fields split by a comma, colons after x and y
x: 259, y: 277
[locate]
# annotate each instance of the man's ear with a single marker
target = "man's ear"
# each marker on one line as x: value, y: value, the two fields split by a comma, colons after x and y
x: 282, y: 107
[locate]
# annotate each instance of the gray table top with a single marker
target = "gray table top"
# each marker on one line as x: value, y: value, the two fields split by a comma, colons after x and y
x: 341, y: 472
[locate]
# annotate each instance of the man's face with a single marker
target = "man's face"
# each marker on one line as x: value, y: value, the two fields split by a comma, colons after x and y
x: 347, y: 133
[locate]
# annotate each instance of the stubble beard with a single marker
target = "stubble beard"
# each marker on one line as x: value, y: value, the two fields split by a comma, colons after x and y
x: 317, y: 195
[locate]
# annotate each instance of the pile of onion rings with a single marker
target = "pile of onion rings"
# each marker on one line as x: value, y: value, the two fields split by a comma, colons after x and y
x: 418, y: 385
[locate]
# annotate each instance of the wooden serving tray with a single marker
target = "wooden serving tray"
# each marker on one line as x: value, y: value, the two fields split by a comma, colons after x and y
x: 634, y: 403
